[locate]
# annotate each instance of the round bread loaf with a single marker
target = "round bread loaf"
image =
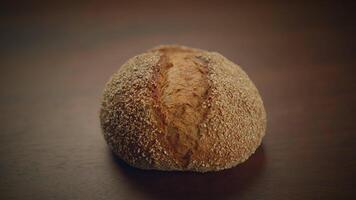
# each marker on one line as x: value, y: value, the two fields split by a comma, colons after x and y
x: 183, y: 109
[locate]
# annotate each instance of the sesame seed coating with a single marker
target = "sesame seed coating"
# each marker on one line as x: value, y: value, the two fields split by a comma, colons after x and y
x: 185, y: 109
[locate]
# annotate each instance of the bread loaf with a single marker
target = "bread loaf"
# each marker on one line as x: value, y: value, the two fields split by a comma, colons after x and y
x: 183, y: 109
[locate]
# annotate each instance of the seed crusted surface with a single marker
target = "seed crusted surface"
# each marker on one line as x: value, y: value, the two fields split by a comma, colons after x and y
x: 230, y: 129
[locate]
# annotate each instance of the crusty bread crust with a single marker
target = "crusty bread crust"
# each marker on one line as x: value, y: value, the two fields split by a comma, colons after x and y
x: 185, y: 109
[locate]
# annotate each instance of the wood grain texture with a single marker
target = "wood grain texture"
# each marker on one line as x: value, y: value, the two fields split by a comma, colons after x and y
x: 56, y: 57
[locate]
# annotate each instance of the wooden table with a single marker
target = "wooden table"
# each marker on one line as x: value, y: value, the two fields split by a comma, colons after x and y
x: 56, y: 58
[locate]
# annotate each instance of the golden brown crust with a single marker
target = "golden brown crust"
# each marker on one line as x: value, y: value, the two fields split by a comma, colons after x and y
x: 178, y: 108
x: 180, y: 97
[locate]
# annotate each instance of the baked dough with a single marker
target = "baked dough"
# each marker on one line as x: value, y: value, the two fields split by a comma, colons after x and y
x: 183, y: 109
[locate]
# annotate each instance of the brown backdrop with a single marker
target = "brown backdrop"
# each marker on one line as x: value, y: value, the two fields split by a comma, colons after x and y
x: 56, y: 57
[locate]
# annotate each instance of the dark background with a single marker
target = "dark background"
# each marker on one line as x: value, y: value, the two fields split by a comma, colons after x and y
x: 56, y: 57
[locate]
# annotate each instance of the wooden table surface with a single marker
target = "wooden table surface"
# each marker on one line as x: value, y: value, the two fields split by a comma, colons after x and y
x: 56, y: 57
